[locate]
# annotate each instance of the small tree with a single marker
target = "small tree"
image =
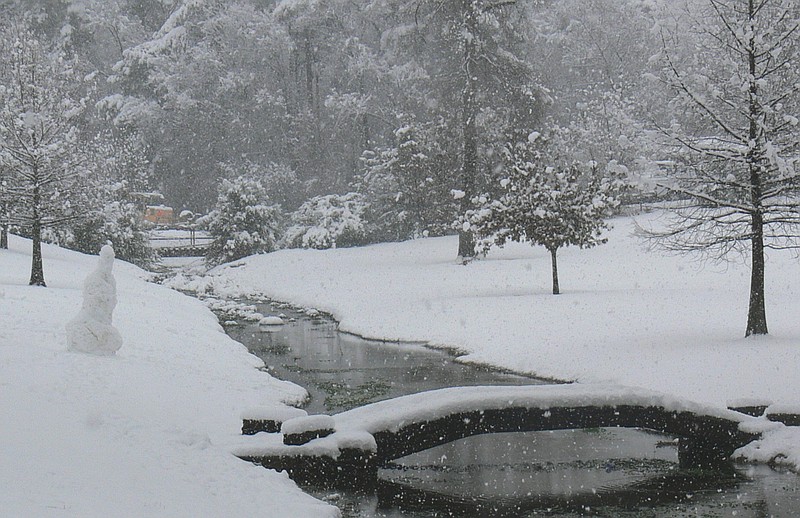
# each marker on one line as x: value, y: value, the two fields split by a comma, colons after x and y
x: 736, y: 141
x: 242, y: 223
x: 41, y: 104
x: 553, y: 203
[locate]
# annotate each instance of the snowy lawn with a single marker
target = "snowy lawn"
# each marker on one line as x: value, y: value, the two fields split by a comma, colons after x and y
x: 626, y: 315
x: 138, y: 433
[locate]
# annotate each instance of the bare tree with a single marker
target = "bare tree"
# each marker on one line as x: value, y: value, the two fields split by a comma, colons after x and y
x: 735, y: 136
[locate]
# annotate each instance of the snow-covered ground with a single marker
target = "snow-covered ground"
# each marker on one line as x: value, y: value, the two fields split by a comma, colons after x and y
x: 626, y: 315
x: 668, y: 323
x: 140, y: 433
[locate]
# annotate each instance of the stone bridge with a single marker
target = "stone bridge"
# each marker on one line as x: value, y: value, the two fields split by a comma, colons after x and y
x: 353, y: 444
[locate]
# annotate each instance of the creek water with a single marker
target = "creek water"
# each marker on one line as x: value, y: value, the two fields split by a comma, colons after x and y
x: 599, y: 472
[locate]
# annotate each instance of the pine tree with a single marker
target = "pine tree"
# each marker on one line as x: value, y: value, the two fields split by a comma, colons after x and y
x: 41, y: 105
x: 406, y: 187
x: 208, y: 87
x: 110, y: 215
x: 468, y: 49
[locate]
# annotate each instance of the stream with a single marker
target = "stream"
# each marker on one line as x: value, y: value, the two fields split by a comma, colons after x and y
x: 598, y: 472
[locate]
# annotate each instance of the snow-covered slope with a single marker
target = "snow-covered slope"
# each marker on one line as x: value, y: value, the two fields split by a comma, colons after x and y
x: 138, y: 433
x: 625, y: 315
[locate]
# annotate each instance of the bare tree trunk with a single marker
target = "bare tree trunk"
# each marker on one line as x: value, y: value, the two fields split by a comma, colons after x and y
x: 757, y: 314
x: 554, y: 263
x: 308, y: 68
x: 4, y: 226
x: 37, y: 268
x: 469, y: 168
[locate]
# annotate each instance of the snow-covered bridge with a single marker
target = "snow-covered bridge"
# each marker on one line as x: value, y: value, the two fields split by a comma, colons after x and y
x: 180, y: 242
x: 356, y: 442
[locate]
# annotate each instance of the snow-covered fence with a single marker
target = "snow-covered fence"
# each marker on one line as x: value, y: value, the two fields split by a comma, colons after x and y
x: 372, y: 435
x: 180, y: 242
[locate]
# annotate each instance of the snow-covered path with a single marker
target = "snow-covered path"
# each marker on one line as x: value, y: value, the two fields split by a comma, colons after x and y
x: 140, y: 433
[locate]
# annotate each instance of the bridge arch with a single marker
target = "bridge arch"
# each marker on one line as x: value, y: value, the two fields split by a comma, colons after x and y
x: 418, y: 422
x: 349, y: 447
x: 703, y: 440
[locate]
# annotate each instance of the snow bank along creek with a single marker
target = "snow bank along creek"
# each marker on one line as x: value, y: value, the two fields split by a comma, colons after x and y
x: 604, y: 471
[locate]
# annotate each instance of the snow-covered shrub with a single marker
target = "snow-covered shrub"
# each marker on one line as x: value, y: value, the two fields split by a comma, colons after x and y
x: 328, y: 222
x: 280, y: 181
x: 243, y: 221
x: 118, y: 223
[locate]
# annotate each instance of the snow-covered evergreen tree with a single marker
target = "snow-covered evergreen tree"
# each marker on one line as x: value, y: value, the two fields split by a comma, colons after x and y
x: 41, y: 105
x: 110, y: 215
x: 484, y: 71
x: 406, y: 188
x: 211, y: 78
x: 280, y: 181
x: 243, y: 221
x: 328, y: 222
x: 548, y: 200
x: 475, y: 80
x: 118, y: 222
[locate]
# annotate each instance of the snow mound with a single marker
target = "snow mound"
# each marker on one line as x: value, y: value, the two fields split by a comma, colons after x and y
x: 144, y: 433
x: 271, y: 320
x: 309, y: 423
x: 777, y: 447
x: 91, y: 330
x: 275, y: 413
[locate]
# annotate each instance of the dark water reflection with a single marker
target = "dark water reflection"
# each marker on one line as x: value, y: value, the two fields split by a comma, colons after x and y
x: 342, y: 371
x: 605, y: 472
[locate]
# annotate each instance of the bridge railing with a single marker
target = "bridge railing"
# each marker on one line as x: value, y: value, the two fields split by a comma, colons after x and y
x: 180, y: 241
